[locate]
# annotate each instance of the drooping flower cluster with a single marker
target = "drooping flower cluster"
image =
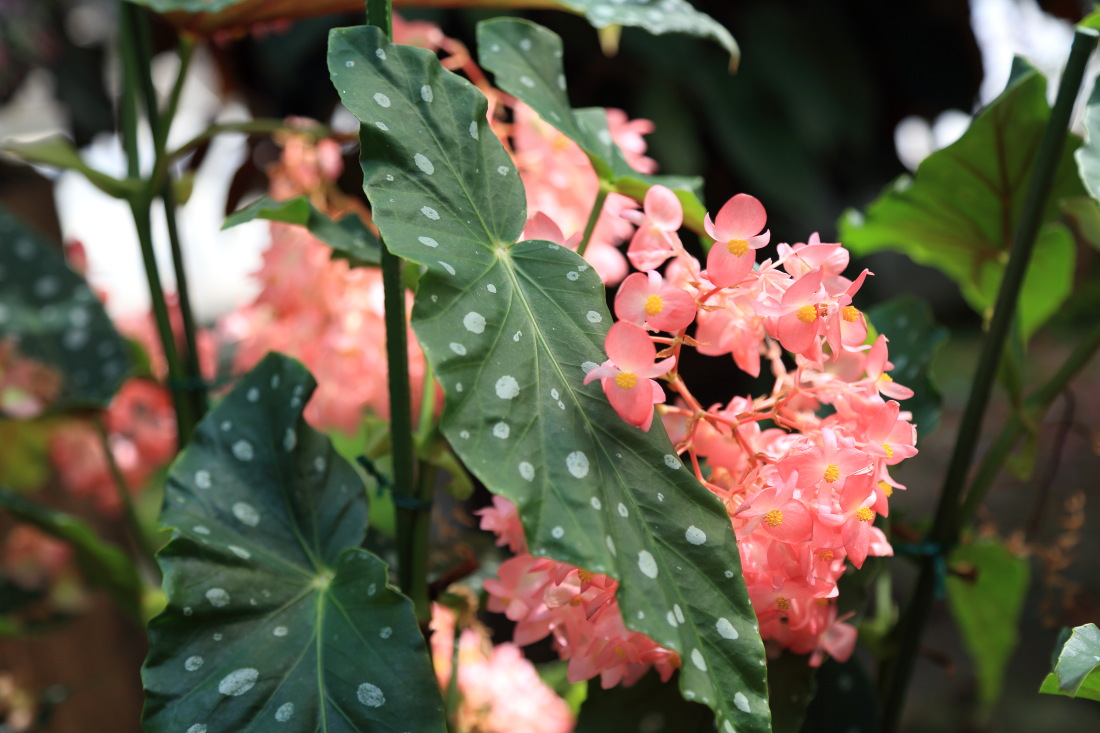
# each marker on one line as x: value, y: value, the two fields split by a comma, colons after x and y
x: 576, y: 608
x: 802, y: 493
x: 500, y: 690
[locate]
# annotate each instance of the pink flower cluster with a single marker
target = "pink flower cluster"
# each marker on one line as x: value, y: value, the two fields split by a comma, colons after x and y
x: 501, y: 692
x: 802, y: 495
x: 576, y: 608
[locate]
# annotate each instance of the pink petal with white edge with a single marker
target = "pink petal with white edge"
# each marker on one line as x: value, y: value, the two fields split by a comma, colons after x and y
x: 742, y: 216
x: 663, y: 208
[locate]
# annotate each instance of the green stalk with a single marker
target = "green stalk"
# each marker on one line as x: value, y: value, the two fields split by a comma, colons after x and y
x: 597, y: 209
x: 412, y: 500
x: 1036, y: 405
x: 144, y: 548
x: 140, y: 205
x: 946, y: 525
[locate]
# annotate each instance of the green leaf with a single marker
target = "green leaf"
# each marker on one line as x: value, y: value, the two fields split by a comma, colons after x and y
x: 275, y: 615
x: 792, y: 684
x: 987, y: 608
x: 958, y: 215
x: 647, y: 705
x: 58, y: 152
x: 509, y: 330
x: 54, y: 318
x: 1088, y: 156
x: 915, y: 337
x: 1077, y: 673
x: 845, y: 701
x: 526, y: 59
x: 102, y: 564
x: 349, y: 237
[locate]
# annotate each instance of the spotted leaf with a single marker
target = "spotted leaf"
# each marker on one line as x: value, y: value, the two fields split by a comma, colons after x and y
x: 49, y: 315
x: 276, y: 620
x: 527, y: 61
x: 510, y: 330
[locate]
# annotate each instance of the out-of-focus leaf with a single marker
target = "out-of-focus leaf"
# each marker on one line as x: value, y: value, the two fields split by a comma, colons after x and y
x: 25, y: 459
x: 1077, y: 673
x: 508, y: 329
x: 845, y: 700
x: 1083, y: 213
x: 987, y: 608
x: 647, y: 705
x: 526, y: 59
x: 959, y: 213
x: 58, y: 152
x: 348, y: 237
x: 102, y: 564
x: 792, y: 685
x: 1088, y: 156
x: 53, y: 318
x: 655, y: 16
x: 276, y: 619
x: 914, y: 339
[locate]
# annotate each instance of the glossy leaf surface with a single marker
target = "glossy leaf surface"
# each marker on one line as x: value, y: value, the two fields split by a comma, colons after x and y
x: 53, y: 318
x: 1077, y: 672
x: 276, y: 619
x: 959, y: 213
x: 510, y: 330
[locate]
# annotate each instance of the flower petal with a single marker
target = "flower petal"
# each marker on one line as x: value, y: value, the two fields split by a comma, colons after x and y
x: 742, y: 216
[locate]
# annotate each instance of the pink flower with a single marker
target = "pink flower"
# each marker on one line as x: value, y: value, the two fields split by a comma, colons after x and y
x: 646, y: 300
x: 656, y: 239
x: 627, y: 375
x: 736, y: 231
x: 503, y: 519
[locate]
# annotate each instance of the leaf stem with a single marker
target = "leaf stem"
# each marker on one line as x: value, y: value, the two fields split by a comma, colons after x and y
x: 414, y: 518
x: 143, y: 547
x: 946, y: 525
x: 597, y: 209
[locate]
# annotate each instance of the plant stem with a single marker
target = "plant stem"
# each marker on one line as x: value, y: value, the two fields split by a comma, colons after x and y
x: 144, y: 548
x: 597, y: 209
x: 412, y: 500
x: 946, y: 525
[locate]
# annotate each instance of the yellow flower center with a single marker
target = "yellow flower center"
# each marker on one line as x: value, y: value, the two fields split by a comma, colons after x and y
x: 832, y: 473
x: 774, y: 518
x: 584, y: 575
x: 807, y: 313
x: 889, y: 450
x: 626, y: 380
x: 886, y: 378
x: 654, y: 305
x: 886, y: 489
x: 737, y: 247
x: 783, y: 604
x: 864, y: 514
x: 825, y: 555
x: 850, y: 313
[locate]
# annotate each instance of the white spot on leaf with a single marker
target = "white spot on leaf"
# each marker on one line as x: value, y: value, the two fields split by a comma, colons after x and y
x: 370, y: 695
x: 458, y: 348
x: 623, y: 511
x: 741, y: 702
x: 557, y: 533
x: 423, y: 163
x: 593, y: 317
x: 726, y: 629
x: 595, y: 502
x: 286, y: 710
x: 381, y: 99
x: 474, y: 322
x: 279, y: 631
x: 217, y: 597
x: 577, y: 463
x: 501, y: 430
x: 239, y: 681
x: 695, y: 536
x: 243, y: 450
x: 428, y: 242
x: 246, y: 513
x: 239, y: 552
x: 698, y: 660
x: 426, y: 93
x: 507, y: 387
x: 430, y: 213
x: 647, y: 564
x: 192, y: 664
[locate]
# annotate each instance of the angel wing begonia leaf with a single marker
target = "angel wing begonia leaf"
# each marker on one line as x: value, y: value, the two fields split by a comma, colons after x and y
x: 50, y: 315
x: 526, y: 61
x: 510, y: 330
x: 959, y: 212
x: 276, y: 619
x: 655, y: 16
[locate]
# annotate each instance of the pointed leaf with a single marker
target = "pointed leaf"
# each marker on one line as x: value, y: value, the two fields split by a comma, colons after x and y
x: 1088, y: 156
x: 509, y: 330
x: 915, y: 337
x: 987, y: 608
x: 101, y: 563
x: 526, y: 59
x: 274, y: 613
x: 55, y: 319
x: 958, y: 215
x: 1077, y: 673
x: 58, y: 152
x: 349, y: 237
